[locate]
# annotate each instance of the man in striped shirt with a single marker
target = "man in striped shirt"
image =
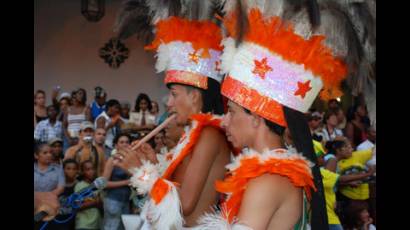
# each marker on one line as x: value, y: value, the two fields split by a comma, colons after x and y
x: 49, y: 128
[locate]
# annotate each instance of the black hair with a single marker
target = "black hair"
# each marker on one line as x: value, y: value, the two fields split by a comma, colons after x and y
x: 352, y: 111
x: 333, y: 146
x: 302, y: 140
x: 152, y: 140
x: 119, y: 135
x: 112, y: 102
x: 211, y: 97
x: 56, y: 107
x: 328, y: 114
x: 333, y: 100
x: 273, y: 127
x: 39, y: 92
x: 82, y: 164
x: 99, y: 92
x: 142, y: 96
x: 70, y: 161
x: 352, y: 214
x: 84, y: 99
x: 39, y: 146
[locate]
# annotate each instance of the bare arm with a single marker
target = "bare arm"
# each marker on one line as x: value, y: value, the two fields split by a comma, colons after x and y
x: 346, y: 179
x: 65, y: 124
x: 270, y: 200
x: 353, y: 177
x: 88, y: 113
x: 117, y: 184
x: 331, y: 165
x: 109, y: 166
x: 70, y: 152
x: 198, y: 170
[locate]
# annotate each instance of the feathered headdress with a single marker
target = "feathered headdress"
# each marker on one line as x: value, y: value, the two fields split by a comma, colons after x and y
x: 273, y: 66
x: 139, y: 17
x: 188, y: 50
x: 187, y: 39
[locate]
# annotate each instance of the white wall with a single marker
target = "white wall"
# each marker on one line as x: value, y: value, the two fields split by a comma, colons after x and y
x: 66, y: 53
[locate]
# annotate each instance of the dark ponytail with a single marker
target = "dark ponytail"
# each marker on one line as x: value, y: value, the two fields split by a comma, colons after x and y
x: 302, y: 140
x: 212, y: 98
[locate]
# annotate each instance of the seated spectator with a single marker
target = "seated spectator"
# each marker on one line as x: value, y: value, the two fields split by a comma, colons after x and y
x: 141, y: 115
x: 98, y: 105
x: 341, y: 118
x: 56, y: 148
x: 77, y: 113
x: 354, y: 187
x: 358, y: 218
x: 125, y: 111
x: 49, y: 128
x: 155, y: 111
x: 110, y: 121
x: 314, y: 122
x: 370, y: 140
x: 88, y: 216
x: 329, y: 131
x: 48, y: 177
x: 117, y: 199
x: 40, y: 111
x: 86, y: 150
x: 333, y: 104
x: 159, y: 144
x: 64, y: 101
x: 355, y: 127
x: 340, y: 159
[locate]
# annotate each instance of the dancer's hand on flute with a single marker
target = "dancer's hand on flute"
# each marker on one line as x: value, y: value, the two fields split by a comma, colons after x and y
x: 154, y: 132
x: 127, y: 158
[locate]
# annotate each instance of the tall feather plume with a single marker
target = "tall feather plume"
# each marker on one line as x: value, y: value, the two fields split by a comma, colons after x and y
x: 134, y: 18
x: 138, y: 17
x: 362, y: 56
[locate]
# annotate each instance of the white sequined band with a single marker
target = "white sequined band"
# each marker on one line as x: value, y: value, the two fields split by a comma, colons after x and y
x: 182, y: 56
x: 288, y: 83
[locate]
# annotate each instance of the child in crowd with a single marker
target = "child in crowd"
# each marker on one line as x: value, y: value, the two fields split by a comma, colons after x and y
x: 88, y: 216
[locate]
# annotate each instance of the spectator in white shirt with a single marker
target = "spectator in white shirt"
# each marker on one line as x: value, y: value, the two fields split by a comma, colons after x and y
x: 141, y: 116
x: 370, y: 141
x: 329, y: 131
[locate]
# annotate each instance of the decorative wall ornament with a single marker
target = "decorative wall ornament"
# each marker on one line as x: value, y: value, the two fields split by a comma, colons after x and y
x: 114, y: 53
x: 93, y: 10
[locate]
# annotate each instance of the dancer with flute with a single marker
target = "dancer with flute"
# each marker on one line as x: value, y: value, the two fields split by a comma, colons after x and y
x: 188, y: 51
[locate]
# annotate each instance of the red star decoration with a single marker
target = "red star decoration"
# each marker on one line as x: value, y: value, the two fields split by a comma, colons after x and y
x: 194, y: 57
x: 217, y: 63
x: 261, y: 67
x: 303, y: 88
